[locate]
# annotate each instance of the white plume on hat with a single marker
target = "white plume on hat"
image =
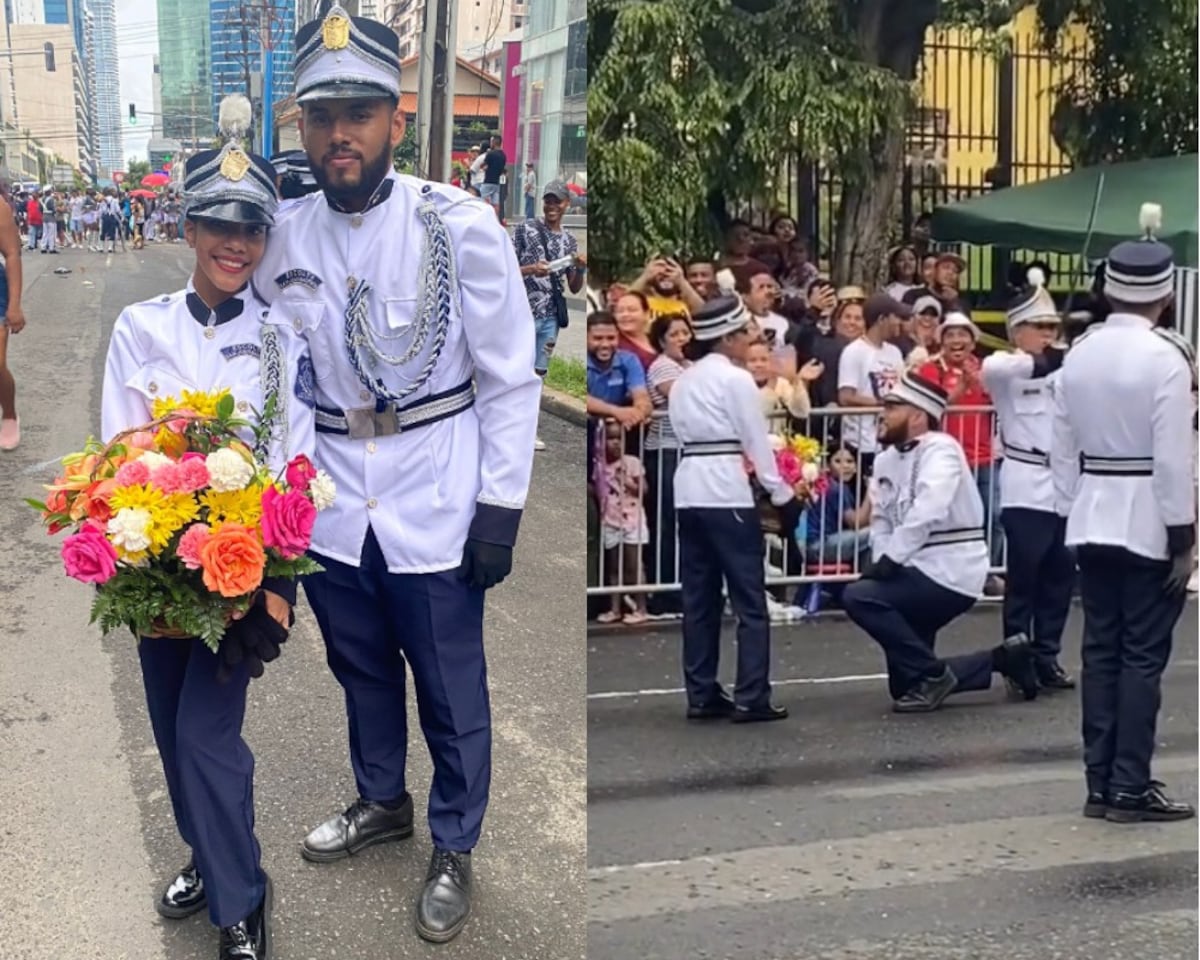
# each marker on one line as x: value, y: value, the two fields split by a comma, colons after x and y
x: 1036, y: 277
x: 235, y: 116
x: 726, y: 282
x: 1150, y: 219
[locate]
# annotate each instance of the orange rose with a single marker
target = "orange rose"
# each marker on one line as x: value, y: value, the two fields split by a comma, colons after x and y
x: 170, y: 443
x: 97, y: 500
x: 232, y: 561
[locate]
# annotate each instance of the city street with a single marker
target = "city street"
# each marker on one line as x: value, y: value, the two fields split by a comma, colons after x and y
x: 88, y: 840
x: 847, y: 832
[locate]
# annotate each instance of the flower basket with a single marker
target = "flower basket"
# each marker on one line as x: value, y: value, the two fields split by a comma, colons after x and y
x: 177, y: 522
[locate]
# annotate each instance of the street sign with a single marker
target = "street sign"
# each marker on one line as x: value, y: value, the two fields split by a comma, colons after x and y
x: 119, y: 176
x: 62, y: 175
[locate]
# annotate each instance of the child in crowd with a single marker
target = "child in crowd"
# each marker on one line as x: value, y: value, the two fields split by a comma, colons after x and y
x: 625, y: 530
x: 838, y: 528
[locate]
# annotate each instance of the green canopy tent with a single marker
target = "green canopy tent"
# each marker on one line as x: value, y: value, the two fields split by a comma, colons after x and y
x: 1053, y: 214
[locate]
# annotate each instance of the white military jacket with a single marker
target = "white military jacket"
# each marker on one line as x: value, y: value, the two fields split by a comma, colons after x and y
x: 1025, y: 412
x: 1123, y: 448
x: 171, y: 343
x: 926, y: 512
x: 716, y: 413
x: 421, y: 491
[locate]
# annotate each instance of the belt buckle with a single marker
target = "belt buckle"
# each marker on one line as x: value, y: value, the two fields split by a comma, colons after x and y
x: 360, y: 422
x: 386, y: 422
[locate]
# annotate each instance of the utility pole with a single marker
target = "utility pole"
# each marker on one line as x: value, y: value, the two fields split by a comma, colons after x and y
x: 435, y: 91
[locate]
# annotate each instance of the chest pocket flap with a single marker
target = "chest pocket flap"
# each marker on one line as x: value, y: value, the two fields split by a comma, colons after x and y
x: 154, y: 381
x: 1031, y: 400
x: 301, y: 316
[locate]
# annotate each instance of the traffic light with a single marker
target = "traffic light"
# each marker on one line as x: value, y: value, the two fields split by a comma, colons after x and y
x: 48, y: 49
x: 133, y: 114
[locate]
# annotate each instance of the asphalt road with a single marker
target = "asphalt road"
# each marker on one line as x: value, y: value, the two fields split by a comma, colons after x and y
x: 850, y: 833
x: 86, y: 835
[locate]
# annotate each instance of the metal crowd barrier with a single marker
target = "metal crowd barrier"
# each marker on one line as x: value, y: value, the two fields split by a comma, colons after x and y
x: 635, y: 552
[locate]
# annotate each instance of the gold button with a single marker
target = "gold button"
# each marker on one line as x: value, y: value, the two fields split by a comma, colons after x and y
x: 372, y: 503
x: 371, y: 447
x: 243, y: 406
x: 298, y: 324
x: 209, y: 333
x: 356, y: 221
x: 364, y: 395
x: 152, y: 387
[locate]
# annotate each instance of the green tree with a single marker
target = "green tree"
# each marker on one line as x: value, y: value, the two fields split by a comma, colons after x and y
x: 404, y: 157
x: 134, y: 171
x: 693, y: 105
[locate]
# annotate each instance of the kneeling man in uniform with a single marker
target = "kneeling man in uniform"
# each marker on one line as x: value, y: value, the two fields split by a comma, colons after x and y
x: 929, y: 558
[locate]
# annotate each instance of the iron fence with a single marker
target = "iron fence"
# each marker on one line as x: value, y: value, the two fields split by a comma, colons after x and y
x: 632, y: 541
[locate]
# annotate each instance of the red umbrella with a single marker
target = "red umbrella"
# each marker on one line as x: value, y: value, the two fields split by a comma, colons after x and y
x: 144, y: 194
x: 155, y: 180
x: 575, y: 189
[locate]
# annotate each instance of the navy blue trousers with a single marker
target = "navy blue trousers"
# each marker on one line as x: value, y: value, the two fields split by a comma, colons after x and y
x: 197, y: 725
x: 1128, y: 621
x: 716, y: 544
x: 374, y: 622
x: 903, y: 614
x: 1039, y: 578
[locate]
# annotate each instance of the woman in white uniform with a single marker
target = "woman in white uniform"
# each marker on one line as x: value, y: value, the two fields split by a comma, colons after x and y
x: 216, y: 334
x: 717, y: 415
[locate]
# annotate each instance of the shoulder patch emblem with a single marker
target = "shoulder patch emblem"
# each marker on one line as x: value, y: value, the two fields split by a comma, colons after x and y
x: 305, y: 278
x: 235, y: 350
x: 305, y: 388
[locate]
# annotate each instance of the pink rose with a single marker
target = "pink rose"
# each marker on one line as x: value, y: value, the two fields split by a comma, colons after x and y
x: 287, y: 522
x: 88, y: 556
x: 191, y: 543
x: 142, y: 440
x: 300, y: 472
x: 789, y: 466
x: 193, y: 474
x: 191, y: 455
x: 132, y: 474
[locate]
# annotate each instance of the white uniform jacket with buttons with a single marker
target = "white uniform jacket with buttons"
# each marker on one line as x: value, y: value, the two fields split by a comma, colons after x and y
x: 713, y: 402
x: 926, y: 513
x: 420, y: 491
x: 1025, y: 413
x: 163, y: 346
x: 1123, y: 449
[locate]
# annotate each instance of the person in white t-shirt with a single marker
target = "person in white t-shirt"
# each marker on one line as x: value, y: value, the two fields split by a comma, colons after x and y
x: 867, y: 370
x: 761, y: 298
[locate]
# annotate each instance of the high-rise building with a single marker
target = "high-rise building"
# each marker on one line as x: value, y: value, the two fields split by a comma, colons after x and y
x: 106, y: 89
x: 239, y: 33
x: 183, y: 52
x: 481, y: 25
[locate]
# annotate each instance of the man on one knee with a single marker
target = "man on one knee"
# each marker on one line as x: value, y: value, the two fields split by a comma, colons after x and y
x: 930, y: 558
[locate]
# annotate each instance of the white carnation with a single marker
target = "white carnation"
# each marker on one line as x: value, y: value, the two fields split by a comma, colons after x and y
x: 228, y: 470
x: 130, y: 529
x: 153, y: 459
x: 322, y: 489
x: 777, y: 442
x: 810, y: 472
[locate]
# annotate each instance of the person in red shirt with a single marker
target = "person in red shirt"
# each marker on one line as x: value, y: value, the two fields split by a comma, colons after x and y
x: 956, y: 370
x: 33, y: 218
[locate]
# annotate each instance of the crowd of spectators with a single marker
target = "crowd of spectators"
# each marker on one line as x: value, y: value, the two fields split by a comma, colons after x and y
x: 820, y: 354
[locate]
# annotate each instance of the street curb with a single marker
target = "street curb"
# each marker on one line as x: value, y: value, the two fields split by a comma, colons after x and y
x: 564, y: 406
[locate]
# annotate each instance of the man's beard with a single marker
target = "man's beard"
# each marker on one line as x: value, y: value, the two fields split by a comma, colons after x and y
x: 893, y: 436
x: 373, y: 172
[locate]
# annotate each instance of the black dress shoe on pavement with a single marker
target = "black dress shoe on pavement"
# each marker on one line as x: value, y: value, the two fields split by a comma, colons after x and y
x: 184, y: 896
x: 1051, y: 676
x: 445, y: 901
x: 364, y: 823
x: 1096, y: 805
x: 1152, y: 804
x: 927, y: 695
x: 1014, y: 661
x: 250, y: 939
x: 761, y: 714
x: 719, y: 707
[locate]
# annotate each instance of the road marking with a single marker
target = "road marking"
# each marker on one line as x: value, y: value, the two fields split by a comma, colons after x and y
x: 1022, y: 775
x: 790, y: 682
x: 827, y: 869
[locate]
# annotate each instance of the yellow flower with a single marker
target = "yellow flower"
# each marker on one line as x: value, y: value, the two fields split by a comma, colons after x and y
x: 806, y: 448
x: 243, y: 507
x: 204, y: 404
x: 168, y: 512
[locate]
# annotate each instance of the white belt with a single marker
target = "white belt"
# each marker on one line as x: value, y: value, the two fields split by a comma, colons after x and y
x: 940, y: 538
x: 1035, y: 458
x: 1116, y: 466
x: 712, y: 448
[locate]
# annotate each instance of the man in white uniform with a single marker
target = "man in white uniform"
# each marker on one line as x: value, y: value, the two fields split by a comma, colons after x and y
x: 929, y: 557
x: 1040, y: 568
x: 1124, y: 475
x: 717, y: 415
x: 426, y: 405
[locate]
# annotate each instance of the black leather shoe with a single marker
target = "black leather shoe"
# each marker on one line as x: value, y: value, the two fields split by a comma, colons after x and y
x: 927, y: 695
x: 250, y: 939
x: 720, y: 706
x: 445, y: 901
x: 184, y: 896
x: 1096, y: 805
x: 761, y: 714
x: 1051, y: 676
x: 1014, y: 660
x: 1152, y: 804
x: 364, y: 823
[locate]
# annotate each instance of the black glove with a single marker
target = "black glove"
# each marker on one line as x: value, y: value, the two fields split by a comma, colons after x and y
x: 1049, y: 360
x: 882, y: 569
x: 255, y: 640
x: 789, y: 517
x: 485, y: 564
x: 1181, y: 541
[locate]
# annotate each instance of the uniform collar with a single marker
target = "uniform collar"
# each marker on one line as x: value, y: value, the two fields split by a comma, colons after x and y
x: 380, y: 196
x: 227, y: 310
x: 1127, y: 320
